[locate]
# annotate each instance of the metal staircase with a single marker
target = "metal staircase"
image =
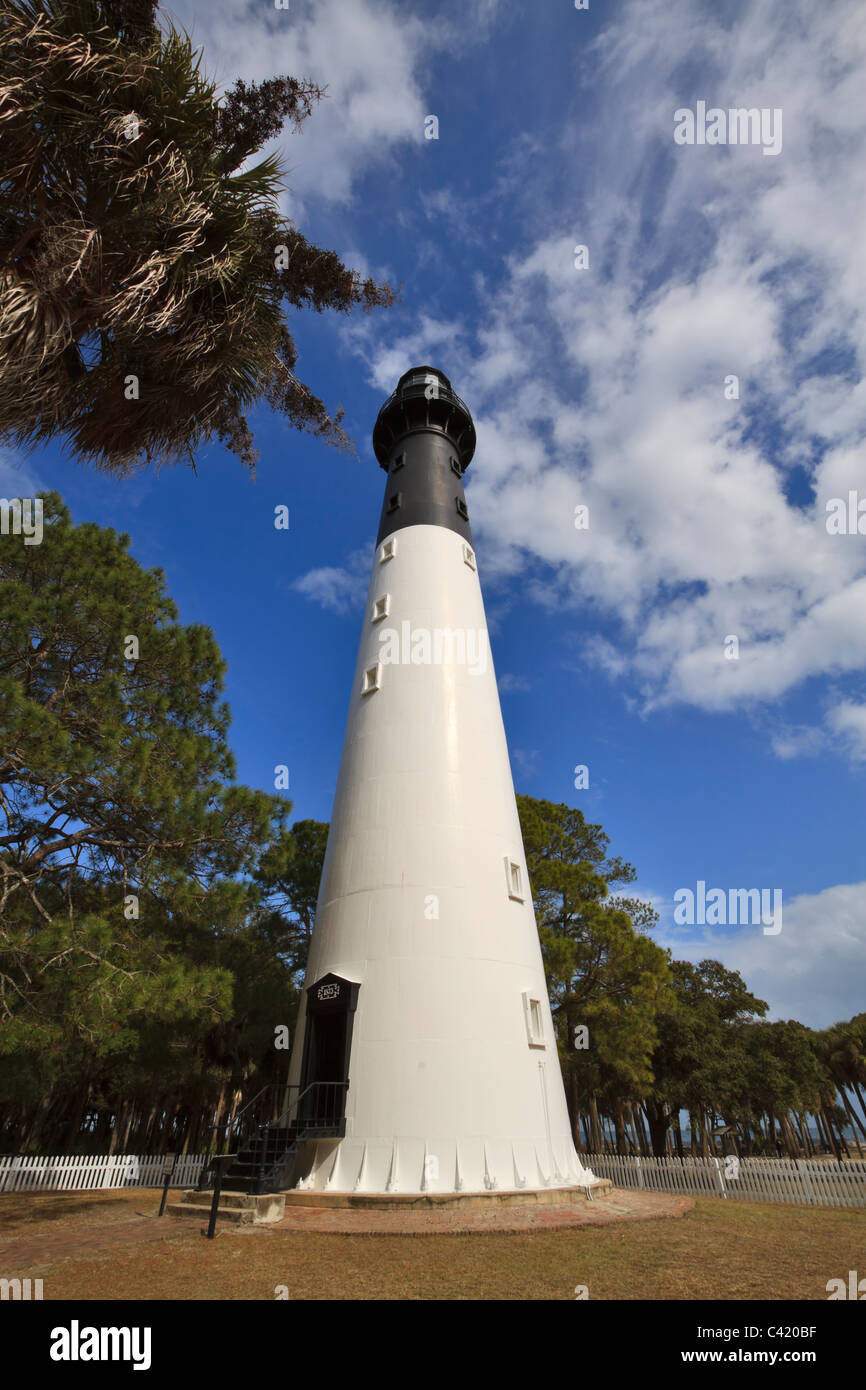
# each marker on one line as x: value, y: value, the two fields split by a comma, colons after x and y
x: 262, y: 1151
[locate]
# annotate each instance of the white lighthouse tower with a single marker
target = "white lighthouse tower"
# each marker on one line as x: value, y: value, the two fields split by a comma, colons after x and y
x: 425, y: 1059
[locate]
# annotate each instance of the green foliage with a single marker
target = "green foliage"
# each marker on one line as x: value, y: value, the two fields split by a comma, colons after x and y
x: 141, y: 278
x: 290, y: 872
x: 603, y: 973
x: 128, y: 914
x: 697, y: 1063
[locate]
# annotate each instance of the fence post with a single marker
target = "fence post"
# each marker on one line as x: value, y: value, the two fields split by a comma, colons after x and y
x: 639, y: 1173
x: 719, y: 1178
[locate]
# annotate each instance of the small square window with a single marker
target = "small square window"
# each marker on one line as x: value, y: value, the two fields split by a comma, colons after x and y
x: 455, y: 467
x: 388, y: 551
x: 395, y: 501
x: 469, y: 556
x: 533, y: 1016
x: 514, y: 879
x: 381, y: 608
x: 372, y: 679
x: 462, y: 509
x: 398, y: 462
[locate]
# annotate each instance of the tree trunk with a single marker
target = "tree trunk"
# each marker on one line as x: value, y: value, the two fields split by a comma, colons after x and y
x: 706, y: 1150
x: 828, y: 1124
x: 115, y: 1130
x: 658, y: 1120
x: 219, y: 1126
x: 73, y: 1128
x: 856, y: 1090
x: 573, y: 1108
x: 805, y: 1138
x: 595, y: 1127
x: 852, y: 1116
x: 791, y: 1139
x: 37, y: 1124
x: 638, y: 1121
x: 619, y: 1129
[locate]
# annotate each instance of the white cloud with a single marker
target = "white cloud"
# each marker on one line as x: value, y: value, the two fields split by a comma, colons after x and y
x: 340, y: 589
x: 508, y: 683
x: 426, y: 343
x: 606, y: 386
x: 796, y: 741
x: 17, y: 478
x: 525, y: 762
x: 365, y: 52
x: 814, y: 970
x: 849, y: 721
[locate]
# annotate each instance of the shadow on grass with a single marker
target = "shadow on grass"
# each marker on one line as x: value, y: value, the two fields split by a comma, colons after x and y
x: 25, y: 1210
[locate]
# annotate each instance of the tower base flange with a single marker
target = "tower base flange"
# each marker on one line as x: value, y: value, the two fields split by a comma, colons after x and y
x: 431, y: 1201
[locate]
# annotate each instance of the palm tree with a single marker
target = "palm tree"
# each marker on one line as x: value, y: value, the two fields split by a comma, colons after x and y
x: 143, y: 271
x: 843, y: 1060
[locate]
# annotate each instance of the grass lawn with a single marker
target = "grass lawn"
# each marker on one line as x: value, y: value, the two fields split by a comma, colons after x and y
x: 106, y: 1245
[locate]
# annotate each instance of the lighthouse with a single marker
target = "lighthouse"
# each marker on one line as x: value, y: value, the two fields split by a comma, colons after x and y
x: 425, y: 1059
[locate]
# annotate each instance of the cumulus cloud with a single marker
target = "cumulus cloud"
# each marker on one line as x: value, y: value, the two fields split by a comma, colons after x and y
x: 338, y: 588
x: 813, y: 970
x: 366, y: 52
x: 849, y: 720
x: 610, y: 387
x: 796, y: 741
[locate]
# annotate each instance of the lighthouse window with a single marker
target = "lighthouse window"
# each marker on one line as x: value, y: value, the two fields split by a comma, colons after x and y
x: 395, y: 501
x: 462, y: 509
x: 514, y: 879
x: 455, y: 467
x: 398, y: 462
x: 469, y: 556
x: 388, y: 551
x: 381, y: 608
x: 534, y: 1020
x: 372, y: 679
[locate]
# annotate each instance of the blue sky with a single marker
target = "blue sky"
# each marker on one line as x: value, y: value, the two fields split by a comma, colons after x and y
x: 601, y: 386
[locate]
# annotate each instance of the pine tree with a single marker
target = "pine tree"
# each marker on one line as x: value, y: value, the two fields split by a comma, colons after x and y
x: 127, y: 849
x: 143, y: 272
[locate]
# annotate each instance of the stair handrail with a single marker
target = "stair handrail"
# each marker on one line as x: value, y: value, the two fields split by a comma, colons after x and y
x: 231, y: 1129
x: 282, y: 1117
x: 262, y: 1130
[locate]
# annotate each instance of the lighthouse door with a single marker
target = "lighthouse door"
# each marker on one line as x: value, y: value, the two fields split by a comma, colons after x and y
x: 331, y: 1004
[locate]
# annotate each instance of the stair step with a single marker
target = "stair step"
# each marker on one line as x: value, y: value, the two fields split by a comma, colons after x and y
x: 236, y: 1216
x: 203, y: 1200
x: 237, y: 1208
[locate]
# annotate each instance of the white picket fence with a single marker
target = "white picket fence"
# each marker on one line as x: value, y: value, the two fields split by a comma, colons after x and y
x: 807, y: 1181
x: 80, y: 1172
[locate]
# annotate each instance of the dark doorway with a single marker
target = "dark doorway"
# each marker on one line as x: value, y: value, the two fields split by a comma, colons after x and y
x: 331, y: 1005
